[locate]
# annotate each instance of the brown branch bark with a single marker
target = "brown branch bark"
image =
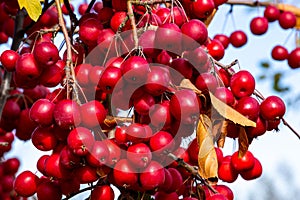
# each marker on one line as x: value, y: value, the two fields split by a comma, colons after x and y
x: 280, y: 6
x: 69, y: 69
x: 192, y: 170
x: 17, y: 39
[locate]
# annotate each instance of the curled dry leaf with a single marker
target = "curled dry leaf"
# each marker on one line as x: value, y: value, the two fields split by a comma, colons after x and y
x: 187, y: 84
x: 229, y: 113
x: 243, y: 142
x: 223, y: 134
x: 207, y: 157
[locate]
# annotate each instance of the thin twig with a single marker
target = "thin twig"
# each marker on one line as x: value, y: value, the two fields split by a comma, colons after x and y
x: 69, y: 68
x: 90, y: 6
x: 133, y: 25
x: 193, y: 170
x: 290, y: 127
x: 80, y: 191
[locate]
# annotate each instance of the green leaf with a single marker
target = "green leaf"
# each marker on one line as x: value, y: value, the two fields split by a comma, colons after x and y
x: 33, y: 8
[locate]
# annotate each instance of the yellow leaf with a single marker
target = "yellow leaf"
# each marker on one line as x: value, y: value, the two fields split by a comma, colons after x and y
x: 243, y: 142
x: 229, y: 113
x: 207, y: 157
x: 33, y: 8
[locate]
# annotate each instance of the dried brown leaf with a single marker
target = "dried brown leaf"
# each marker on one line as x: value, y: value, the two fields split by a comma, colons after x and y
x: 243, y: 142
x: 229, y: 113
x: 223, y: 135
x: 207, y: 157
x: 186, y: 83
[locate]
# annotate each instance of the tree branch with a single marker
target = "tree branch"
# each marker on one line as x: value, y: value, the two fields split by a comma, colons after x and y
x: 280, y: 6
x: 69, y: 68
x: 17, y: 39
x: 193, y: 170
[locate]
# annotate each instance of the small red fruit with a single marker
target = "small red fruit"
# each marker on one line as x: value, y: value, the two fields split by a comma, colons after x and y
x: 253, y: 173
x: 9, y: 59
x: 242, y: 163
x: 272, y: 108
x: 287, y: 20
x: 67, y: 114
x: 242, y: 84
x: 46, y: 54
x: 152, y: 176
x: 259, y: 25
x: 294, y: 58
x: 26, y: 183
x: 80, y: 141
x: 272, y: 13
x: 279, y: 53
x: 139, y: 155
x: 238, y: 38
x: 226, y: 172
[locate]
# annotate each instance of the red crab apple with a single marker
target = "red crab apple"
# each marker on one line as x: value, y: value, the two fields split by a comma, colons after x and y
x: 242, y: 84
x: 294, y: 58
x: 135, y: 69
x: 225, y: 190
x: 26, y: 183
x: 226, y: 172
x: 185, y: 106
x: 67, y: 113
x: 9, y: 59
x: 216, y: 49
x: 41, y: 112
x: 124, y: 174
x: 217, y: 197
x: 89, y: 31
x: 259, y: 25
x: 272, y: 13
x: 249, y: 107
x: 27, y: 67
x: 287, y: 20
x: 242, y: 163
x: 272, y: 108
x: 46, y: 54
x: 93, y: 113
x: 238, y: 38
x: 253, y: 173
x: 102, y: 192
x: 152, y: 176
x: 202, y: 9
x: 139, y: 155
x: 48, y: 190
x: 196, y: 30
x: 224, y: 39
x: 98, y: 155
x: 161, y: 141
x: 43, y: 138
x: 279, y: 53
x: 225, y: 95
x: 80, y: 141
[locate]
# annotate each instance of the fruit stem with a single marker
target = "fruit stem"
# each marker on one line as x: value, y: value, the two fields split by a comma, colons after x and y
x: 133, y: 24
x: 69, y: 69
x: 90, y: 6
x: 290, y: 127
x: 78, y: 192
x: 191, y: 169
